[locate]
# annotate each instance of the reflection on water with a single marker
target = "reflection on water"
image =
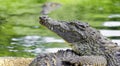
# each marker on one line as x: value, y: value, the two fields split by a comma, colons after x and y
x: 37, y: 44
x: 109, y: 33
x: 111, y: 23
x: 35, y: 40
x: 114, y: 16
x: 28, y: 41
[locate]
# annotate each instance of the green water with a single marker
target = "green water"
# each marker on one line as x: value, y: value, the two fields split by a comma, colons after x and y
x: 19, y: 18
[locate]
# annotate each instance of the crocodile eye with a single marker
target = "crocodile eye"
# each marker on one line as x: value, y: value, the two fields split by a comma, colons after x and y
x: 82, y: 26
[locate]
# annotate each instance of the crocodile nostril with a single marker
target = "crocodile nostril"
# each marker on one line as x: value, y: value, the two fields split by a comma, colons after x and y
x: 43, y: 17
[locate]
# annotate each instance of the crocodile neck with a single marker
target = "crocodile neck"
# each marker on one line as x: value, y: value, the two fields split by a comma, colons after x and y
x: 85, y: 48
x: 92, y: 48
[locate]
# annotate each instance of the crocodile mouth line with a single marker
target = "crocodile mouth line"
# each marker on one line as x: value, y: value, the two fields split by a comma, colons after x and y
x: 49, y: 23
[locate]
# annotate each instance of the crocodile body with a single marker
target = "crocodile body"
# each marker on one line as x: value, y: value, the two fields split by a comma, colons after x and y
x: 83, y: 39
x: 67, y: 58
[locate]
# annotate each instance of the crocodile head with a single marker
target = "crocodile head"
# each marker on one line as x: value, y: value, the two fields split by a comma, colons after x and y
x: 69, y: 31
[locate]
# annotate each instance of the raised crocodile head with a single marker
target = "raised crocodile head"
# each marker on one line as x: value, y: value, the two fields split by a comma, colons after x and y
x: 69, y: 31
x: 80, y: 35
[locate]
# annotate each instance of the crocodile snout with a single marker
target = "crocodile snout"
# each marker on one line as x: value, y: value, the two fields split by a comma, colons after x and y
x: 42, y: 19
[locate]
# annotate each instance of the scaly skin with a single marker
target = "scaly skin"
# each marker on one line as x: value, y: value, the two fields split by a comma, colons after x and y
x: 84, y: 39
x: 67, y: 58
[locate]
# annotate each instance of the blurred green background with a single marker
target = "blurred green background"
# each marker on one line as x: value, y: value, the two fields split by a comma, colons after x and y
x: 19, y: 19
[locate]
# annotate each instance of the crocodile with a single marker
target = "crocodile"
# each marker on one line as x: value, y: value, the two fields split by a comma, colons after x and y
x: 91, y: 48
x: 84, y: 40
x: 67, y: 58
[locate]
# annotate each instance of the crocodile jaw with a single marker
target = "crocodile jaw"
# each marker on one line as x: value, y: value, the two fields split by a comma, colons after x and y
x: 48, y: 22
x: 69, y: 31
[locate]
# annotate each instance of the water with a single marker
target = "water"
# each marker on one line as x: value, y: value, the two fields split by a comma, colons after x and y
x: 38, y: 44
x: 114, y: 16
x: 111, y: 23
x: 35, y: 40
x: 114, y: 22
x: 110, y: 33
